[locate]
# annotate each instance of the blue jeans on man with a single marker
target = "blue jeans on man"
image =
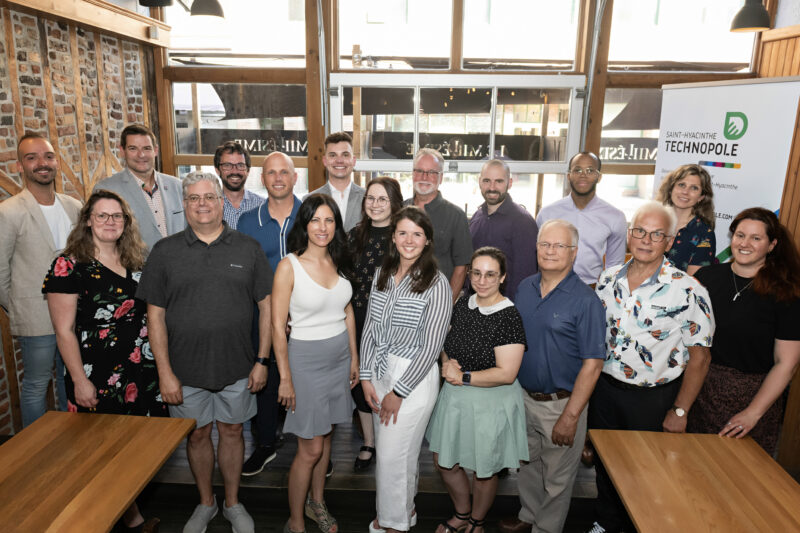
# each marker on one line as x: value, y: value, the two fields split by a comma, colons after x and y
x: 38, y: 354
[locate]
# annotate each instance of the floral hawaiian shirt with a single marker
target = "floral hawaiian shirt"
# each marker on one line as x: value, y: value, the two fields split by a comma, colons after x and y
x: 648, y: 330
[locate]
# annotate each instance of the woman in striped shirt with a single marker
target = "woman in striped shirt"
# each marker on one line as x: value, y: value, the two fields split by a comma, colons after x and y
x: 407, y: 320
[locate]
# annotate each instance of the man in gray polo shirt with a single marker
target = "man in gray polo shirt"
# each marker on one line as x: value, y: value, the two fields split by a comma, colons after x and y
x: 200, y: 285
x: 452, y: 242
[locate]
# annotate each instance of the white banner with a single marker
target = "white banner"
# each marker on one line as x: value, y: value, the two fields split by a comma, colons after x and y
x: 741, y: 132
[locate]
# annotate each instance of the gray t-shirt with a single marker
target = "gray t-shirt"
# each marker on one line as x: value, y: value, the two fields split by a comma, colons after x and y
x: 452, y: 242
x: 208, y: 292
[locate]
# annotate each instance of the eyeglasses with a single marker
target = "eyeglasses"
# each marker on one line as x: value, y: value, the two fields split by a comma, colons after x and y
x: 231, y: 166
x: 195, y: 198
x: 103, y: 217
x: 490, y: 275
x: 655, y: 236
x: 380, y: 201
x: 427, y: 173
x: 590, y: 172
x: 557, y: 246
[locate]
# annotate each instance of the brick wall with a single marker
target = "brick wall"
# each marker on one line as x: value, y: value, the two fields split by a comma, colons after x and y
x: 40, y: 56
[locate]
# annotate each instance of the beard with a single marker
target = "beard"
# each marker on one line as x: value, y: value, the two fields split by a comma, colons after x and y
x: 495, y: 200
x: 229, y: 186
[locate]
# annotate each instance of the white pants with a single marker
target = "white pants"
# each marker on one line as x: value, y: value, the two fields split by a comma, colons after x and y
x: 398, y: 445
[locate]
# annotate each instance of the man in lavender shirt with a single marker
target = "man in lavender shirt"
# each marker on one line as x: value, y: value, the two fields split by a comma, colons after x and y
x: 501, y: 223
x: 601, y: 226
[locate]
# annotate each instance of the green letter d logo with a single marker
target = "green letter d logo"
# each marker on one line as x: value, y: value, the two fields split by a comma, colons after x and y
x: 735, y: 125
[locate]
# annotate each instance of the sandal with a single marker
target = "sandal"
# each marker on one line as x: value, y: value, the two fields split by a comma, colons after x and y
x: 287, y: 529
x: 475, y: 523
x: 363, y: 464
x: 449, y: 528
x: 318, y: 512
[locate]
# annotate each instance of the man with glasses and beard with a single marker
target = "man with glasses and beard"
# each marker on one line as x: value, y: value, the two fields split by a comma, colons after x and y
x: 232, y: 163
x: 452, y: 243
x: 601, y: 226
x: 506, y: 225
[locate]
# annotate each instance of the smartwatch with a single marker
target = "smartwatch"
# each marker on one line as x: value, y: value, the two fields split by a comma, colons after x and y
x: 466, y: 378
x: 263, y: 360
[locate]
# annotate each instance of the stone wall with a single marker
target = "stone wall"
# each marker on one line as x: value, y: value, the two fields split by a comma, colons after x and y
x: 66, y: 83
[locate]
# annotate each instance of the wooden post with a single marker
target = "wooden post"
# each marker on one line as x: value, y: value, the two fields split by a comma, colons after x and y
x: 598, y: 94
x: 316, y: 132
x: 457, y: 37
x: 10, y: 366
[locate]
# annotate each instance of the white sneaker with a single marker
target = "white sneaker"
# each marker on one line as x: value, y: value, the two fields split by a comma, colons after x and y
x: 373, y: 529
x: 240, y: 519
x: 597, y: 528
x: 202, y: 515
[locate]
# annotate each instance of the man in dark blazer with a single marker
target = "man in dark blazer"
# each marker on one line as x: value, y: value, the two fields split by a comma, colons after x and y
x: 155, y: 198
x: 339, y: 162
x: 34, y: 225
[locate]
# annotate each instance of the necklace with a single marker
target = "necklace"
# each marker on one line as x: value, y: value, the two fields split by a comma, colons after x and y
x: 738, y: 292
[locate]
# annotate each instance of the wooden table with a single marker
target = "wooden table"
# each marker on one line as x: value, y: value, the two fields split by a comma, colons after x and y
x: 685, y: 482
x: 79, y: 472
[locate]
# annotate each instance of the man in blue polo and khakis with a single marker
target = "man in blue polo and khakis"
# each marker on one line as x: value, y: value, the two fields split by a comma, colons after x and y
x: 565, y: 327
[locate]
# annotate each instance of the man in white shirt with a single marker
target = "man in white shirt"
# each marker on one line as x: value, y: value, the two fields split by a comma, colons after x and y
x: 339, y: 162
x: 34, y: 225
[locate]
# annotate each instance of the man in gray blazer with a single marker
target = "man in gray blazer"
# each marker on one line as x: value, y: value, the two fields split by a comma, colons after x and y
x: 155, y: 198
x: 34, y: 225
x: 339, y: 162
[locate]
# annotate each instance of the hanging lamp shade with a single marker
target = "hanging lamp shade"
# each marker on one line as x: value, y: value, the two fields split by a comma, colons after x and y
x: 752, y: 17
x: 208, y: 8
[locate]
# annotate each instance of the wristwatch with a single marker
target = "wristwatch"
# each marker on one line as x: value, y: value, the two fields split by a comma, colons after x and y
x: 678, y: 411
x: 263, y: 360
x: 466, y: 378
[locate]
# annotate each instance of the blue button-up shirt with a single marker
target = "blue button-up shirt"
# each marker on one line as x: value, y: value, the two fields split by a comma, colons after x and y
x: 231, y: 214
x: 563, y: 328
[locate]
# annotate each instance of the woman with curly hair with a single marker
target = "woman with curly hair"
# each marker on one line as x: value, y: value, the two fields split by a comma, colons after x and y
x: 318, y: 363
x: 100, y: 327
x: 756, y: 347
x: 687, y: 190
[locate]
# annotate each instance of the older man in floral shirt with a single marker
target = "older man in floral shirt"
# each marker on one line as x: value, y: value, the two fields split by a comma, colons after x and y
x: 659, y: 327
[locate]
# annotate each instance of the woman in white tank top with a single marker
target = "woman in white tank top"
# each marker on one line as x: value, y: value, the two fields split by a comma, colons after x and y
x: 318, y: 362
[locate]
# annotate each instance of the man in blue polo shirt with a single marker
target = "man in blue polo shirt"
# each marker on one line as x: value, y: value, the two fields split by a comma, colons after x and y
x: 270, y: 224
x: 565, y: 326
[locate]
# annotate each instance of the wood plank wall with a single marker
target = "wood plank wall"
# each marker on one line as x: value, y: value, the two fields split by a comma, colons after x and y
x: 780, y: 56
x: 79, y: 88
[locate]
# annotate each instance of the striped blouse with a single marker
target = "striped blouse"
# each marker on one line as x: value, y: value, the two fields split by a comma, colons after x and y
x: 408, y: 325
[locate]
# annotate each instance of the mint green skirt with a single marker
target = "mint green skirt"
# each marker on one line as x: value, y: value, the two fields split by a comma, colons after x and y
x: 480, y: 428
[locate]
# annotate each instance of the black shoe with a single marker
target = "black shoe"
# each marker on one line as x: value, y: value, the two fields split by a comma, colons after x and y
x: 261, y: 456
x: 329, y: 472
x: 363, y: 464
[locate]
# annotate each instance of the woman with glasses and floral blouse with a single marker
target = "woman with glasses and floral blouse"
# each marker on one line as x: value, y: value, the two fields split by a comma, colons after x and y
x: 100, y: 327
x: 368, y: 243
x: 479, y: 419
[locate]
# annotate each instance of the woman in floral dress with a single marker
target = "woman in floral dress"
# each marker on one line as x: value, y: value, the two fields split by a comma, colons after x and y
x: 100, y: 326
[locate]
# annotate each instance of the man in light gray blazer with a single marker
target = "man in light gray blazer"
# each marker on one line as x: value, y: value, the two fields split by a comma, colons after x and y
x: 34, y: 225
x: 155, y: 198
x: 339, y: 162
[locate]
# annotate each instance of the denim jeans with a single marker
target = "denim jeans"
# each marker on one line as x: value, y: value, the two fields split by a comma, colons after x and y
x: 38, y: 354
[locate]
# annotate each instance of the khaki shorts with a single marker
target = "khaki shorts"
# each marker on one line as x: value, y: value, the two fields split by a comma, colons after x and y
x: 232, y: 405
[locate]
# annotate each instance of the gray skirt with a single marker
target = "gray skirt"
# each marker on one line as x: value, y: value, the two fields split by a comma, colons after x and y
x: 321, y: 379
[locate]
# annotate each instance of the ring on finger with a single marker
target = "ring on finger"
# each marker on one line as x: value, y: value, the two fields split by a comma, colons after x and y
x: 740, y: 427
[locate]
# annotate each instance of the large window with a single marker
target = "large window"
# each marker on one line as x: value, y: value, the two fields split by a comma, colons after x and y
x: 514, y: 35
x: 252, y: 34
x: 631, y: 120
x: 394, y: 34
x: 684, y: 35
x: 264, y: 118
